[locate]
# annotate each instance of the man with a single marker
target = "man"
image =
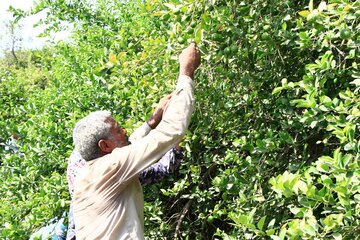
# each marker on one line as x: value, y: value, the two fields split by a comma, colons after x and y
x: 108, y: 200
x: 156, y: 172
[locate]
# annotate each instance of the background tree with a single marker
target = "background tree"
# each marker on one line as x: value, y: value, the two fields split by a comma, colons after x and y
x: 12, y: 38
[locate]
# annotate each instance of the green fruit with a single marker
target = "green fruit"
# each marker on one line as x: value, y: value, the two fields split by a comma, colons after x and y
x: 227, y: 50
x: 181, y: 40
x: 345, y: 33
x: 193, y: 25
x: 265, y: 36
x: 210, y: 219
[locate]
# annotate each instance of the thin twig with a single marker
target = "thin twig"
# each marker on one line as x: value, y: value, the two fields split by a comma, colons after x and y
x: 183, y: 213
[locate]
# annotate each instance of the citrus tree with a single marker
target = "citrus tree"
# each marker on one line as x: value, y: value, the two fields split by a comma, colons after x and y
x: 273, y: 147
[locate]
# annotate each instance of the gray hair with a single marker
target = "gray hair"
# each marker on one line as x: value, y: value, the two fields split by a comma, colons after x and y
x: 89, y: 131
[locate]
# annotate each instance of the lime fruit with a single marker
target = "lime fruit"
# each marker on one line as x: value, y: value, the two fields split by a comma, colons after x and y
x: 227, y: 50
x: 345, y: 33
x: 181, y: 40
x: 265, y: 36
x: 210, y: 219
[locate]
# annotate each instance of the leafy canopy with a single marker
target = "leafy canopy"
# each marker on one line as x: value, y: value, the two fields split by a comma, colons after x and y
x: 273, y: 147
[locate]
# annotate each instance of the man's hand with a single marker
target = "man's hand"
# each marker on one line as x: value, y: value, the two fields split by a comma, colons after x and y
x: 156, y: 117
x: 189, y: 60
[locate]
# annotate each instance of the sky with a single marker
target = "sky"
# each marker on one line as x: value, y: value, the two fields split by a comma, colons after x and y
x: 27, y: 31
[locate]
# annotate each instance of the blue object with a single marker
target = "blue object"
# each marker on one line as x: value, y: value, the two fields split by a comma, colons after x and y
x: 57, y: 231
x: 60, y: 232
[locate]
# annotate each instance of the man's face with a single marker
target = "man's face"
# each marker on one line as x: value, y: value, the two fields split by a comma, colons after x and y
x: 118, y: 134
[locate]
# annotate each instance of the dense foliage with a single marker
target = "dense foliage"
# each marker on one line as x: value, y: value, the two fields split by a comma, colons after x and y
x: 273, y: 147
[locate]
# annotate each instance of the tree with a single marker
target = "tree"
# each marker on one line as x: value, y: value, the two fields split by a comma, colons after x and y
x: 273, y: 147
x: 13, y: 39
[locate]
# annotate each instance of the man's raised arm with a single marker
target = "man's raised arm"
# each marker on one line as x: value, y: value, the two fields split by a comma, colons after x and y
x: 174, y: 123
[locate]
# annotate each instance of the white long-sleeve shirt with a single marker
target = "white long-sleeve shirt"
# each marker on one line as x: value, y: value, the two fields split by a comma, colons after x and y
x: 108, y: 199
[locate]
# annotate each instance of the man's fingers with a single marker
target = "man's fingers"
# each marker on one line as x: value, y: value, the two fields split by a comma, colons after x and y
x: 163, y: 101
x: 167, y: 97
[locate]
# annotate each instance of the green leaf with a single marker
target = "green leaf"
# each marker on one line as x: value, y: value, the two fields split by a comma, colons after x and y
x: 112, y: 58
x: 198, y: 35
x: 311, y: 5
x: 300, y: 103
x: 304, y: 202
x: 260, y: 143
x: 270, y: 232
x: 326, y: 101
x: 261, y: 222
x: 356, y: 82
x: 301, y: 185
x: 299, y: 212
x: 309, y: 230
x: 271, y: 223
x: 304, y: 36
x: 337, y: 236
x: 313, y: 124
x: 277, y: 90
x: 171, y: 6
x: 345, y: 160
x: 282, y: 233
x: 357, y: 198
x: 337, y: 155
x: 304, y: 13
x: 322, y: 6
x: 341, y: 190
x: 326, y: 180
x: 239, y: 219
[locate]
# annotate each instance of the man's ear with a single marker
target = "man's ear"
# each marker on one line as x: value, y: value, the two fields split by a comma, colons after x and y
x: 105, y: 145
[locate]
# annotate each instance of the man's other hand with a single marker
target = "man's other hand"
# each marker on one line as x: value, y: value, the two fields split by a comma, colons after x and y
x: 156, y: 117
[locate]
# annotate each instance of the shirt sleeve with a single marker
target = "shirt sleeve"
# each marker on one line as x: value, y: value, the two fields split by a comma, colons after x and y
x: 140, y: 132
x: 134, y: 158
x: 161, y: 169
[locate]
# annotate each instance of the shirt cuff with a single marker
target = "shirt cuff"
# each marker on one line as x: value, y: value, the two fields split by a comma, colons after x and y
x: 184, y: 82
x: 139, y: 133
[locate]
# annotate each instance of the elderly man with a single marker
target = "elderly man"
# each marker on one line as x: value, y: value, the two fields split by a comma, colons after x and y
x: 108, y: 200
x: 153, y: 174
